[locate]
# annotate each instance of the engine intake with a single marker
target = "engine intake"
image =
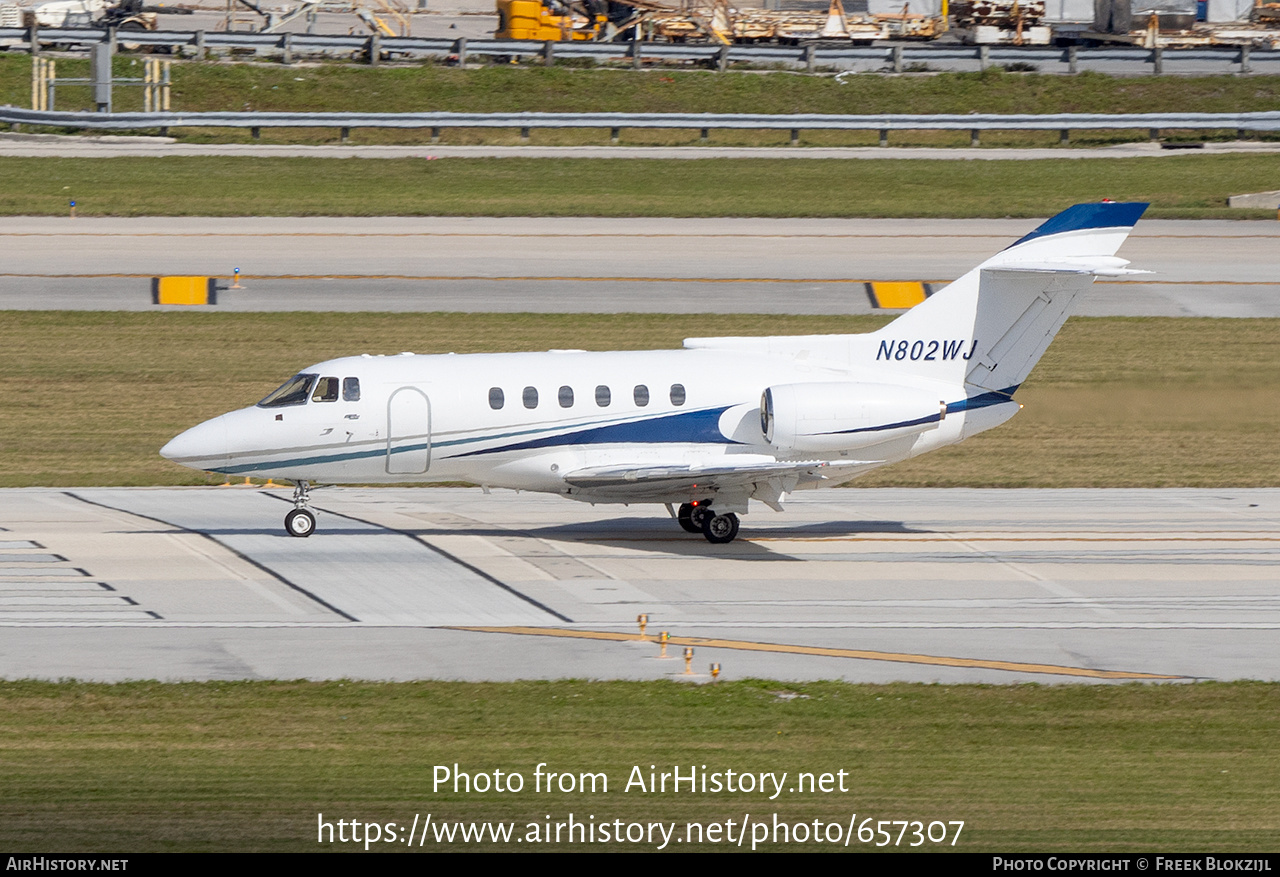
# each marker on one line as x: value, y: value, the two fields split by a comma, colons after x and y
x: 843, y: 416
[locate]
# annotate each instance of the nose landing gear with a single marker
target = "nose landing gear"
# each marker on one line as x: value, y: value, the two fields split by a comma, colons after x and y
x: 301, y: 521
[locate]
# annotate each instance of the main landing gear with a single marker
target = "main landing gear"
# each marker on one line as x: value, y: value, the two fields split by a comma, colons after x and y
x: 701, y: 518
x: 301, y: 522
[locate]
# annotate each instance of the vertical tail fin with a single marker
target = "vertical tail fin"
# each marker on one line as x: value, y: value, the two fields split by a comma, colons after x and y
x: 990, y: 327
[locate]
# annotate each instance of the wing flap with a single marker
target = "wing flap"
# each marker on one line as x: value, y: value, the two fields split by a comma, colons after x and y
x: 720, y: 477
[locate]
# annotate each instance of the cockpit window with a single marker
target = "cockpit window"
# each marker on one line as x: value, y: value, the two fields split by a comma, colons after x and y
x: 350, y: 389
x: 291, y: 392
x: 326, y: 390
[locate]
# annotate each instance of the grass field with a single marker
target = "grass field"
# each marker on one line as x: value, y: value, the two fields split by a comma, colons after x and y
x: 331, y: 87
x: 337, y: 87
x: 1184, y: 186
x: 248, y: 766
x: 1115, y: 402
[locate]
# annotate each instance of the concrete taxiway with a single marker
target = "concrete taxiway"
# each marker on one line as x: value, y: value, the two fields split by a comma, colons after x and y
x: 659, y: 265
x: 864, y: 585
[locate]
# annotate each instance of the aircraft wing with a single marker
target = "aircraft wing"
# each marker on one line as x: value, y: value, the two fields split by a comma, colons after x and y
x: 646, y: 480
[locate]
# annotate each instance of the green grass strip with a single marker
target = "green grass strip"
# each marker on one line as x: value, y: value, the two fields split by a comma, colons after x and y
x: 248, y: 766
x: 337, y: 87
x: 1183, y: 186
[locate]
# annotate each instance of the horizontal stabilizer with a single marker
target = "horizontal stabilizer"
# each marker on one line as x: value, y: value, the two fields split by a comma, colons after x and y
x: 1101, y: 266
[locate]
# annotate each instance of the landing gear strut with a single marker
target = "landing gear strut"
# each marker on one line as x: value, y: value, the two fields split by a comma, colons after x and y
x: 301, y: 522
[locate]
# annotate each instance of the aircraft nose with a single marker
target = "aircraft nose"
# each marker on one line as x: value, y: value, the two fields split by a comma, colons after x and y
x: 201, y: 447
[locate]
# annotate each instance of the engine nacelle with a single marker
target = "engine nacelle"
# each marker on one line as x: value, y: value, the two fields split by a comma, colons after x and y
x: 842, y: 416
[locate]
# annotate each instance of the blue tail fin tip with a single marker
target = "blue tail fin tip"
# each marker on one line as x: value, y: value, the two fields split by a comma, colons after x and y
x: 1104, y: 214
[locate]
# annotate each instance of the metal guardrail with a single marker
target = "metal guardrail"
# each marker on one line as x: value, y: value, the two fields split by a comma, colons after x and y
x: 899, y: 58
x: 705, y: 122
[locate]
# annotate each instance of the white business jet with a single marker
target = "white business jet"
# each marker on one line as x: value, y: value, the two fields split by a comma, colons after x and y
x: 702, y: 430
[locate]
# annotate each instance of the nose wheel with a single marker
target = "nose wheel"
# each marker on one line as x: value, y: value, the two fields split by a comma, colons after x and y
x: 301, y: 521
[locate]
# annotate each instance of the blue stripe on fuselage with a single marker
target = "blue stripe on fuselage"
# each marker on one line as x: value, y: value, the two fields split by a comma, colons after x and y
x: 689, y: 427
x: 686, y: 427
x: 996, y: 397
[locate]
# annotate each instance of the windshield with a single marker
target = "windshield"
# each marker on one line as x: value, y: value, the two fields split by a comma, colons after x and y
x: 291, y: 392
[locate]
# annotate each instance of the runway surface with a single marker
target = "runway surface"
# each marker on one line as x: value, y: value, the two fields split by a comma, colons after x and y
x: 803, y: 266
x: 865, y: 585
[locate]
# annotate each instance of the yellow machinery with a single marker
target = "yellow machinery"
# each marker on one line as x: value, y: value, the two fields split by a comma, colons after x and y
x: 534, y: 20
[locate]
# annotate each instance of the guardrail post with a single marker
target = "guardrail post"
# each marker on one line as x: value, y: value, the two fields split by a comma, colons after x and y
x: 524, y: 135
x: 613, y: 134
x: 111, y: 39
x: 549, y: 53
x: 1242, y: 134
x: 809, y: 58
x: 706, y: 134
x: 435, y: 135
x: 795, y: 136
x: 897, y: 59
x: 1153, y: 134
x: 1245, y: 51
x: 1073, y: 59
x: 344, y: 134
x: 884, y: 136
x: 200, y: 52
x: 375, y: 48
x: 975, y: 137
x: 255, y: 133
x: 460, y: 48
x: 1157, y: 61
x: 100, y: 67
x: 286, y: 43
x: 722, y: 59
x: 33, y: 34
x: 1064, y: 136
x: 984, y: 57
x: 636, y: 60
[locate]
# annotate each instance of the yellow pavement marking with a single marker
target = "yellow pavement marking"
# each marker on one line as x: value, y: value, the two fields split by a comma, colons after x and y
x: 896, y: 293
x: 861, y: 654
x: 181, y: 290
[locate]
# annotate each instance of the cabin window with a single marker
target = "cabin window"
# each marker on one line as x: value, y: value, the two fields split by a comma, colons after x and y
x: 565, y: 397
x: 350, y: 389
x: 603, y: 396
x: 677, y: 394
x: 326, y: 390
x: 496, y: 398
x: 292, y: 392
x: 530, y: 397
x: 641, y: 395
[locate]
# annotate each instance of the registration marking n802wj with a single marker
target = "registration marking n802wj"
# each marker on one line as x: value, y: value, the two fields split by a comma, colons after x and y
x: 926, y: 350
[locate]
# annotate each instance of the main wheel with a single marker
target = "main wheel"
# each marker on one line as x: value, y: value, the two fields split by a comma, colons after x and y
x: 690, y: 516
x: 720, y: 529
x: 301, y: 522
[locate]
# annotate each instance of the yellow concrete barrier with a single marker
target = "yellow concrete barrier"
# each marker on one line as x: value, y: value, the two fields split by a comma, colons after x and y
x: 184, y: 290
